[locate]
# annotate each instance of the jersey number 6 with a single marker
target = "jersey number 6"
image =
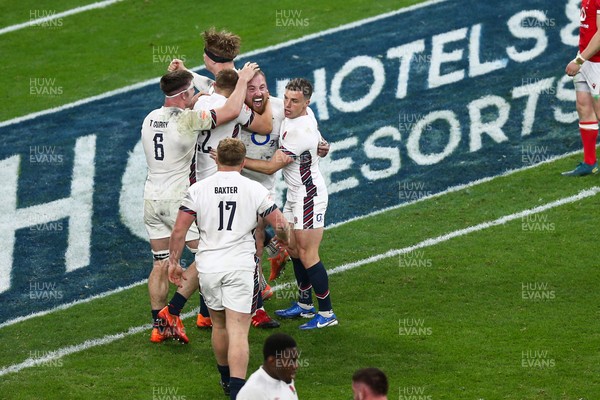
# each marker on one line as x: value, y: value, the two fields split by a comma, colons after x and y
x: 159, y: 149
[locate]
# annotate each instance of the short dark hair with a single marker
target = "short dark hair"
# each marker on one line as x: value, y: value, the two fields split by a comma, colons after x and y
x: 300, y: 85
x: 223, y: 44
x: 231, y: 152
x: 374, y: 378
x: 175, y: 81
x: 226, y: 80
x: 276, y: 344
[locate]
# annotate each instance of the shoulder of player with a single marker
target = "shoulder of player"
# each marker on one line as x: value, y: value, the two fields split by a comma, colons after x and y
x: 208, y: 101
x: 164, y: 118
x: 276, y: 100
x: 301, y: 124
x: 147, y: 119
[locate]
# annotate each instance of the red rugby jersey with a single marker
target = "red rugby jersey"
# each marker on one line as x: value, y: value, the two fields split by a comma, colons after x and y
x: 588, y: 27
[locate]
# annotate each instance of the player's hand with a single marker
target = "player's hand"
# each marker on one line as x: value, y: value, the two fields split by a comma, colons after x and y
x: 323, y: 148
x: 176, y: 65
x: 247, y: 73
x: 176, y: 274
x: 572, y: 68
x: 212, y: 153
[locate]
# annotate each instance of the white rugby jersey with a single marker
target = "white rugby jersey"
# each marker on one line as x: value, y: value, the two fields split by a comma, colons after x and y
x: 169, y: 136
x: 202, y: 83
x: 261, y: 386
x: 262, y: 147
x: 226, y: 206
x: 299, y: 139
x: 210, y: 138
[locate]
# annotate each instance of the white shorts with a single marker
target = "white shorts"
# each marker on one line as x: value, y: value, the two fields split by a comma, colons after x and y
x: 233, y: 290
x: 307, y: 213
x: 160, y: 216
x: 588, y: 78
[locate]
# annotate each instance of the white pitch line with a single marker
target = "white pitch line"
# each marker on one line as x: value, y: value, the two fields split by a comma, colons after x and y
x: 39, y: 21
x: 57, y: 354
x: 462, y: 232
x: 71, y: 304
x: 154, y: 81
x: 88, y: 344
x: 439, y: 194
x: 456, y: 188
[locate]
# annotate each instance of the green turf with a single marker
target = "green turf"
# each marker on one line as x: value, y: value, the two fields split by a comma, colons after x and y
x: 101, y: 50
x: 468, y: 295
x: 476, y: 326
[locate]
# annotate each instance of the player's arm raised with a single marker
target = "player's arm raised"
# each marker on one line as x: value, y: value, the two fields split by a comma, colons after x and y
x: 202, y: 83
x: 232, y: 107
x: 279, y: 160
x: 182, y: 224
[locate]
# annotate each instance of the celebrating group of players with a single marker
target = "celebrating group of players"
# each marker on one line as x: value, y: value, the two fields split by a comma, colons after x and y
x: 227, y: 142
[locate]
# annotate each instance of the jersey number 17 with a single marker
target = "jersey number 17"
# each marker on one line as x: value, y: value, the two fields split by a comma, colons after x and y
x: 223, y: 208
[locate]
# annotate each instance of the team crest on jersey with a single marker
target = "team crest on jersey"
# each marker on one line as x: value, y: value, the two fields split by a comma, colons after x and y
x: 406, y: 115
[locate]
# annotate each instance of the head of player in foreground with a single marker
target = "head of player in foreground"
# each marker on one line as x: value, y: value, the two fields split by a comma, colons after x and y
x: 220, y: 49
x: 231, y: 155
x: 178, y: 89
x: 297, y: 97
x: 369, y: 384
x: 280, y: 354
x: 257, y: 93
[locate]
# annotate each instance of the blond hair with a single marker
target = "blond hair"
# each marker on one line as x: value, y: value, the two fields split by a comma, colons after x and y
x: 231, y: 152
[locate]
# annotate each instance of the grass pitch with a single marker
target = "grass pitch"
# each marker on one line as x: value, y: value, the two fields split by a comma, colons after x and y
x: 507, y: 312
x: 504, y: 312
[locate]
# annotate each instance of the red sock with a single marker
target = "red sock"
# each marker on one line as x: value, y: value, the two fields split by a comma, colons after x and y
x: 589, y: 134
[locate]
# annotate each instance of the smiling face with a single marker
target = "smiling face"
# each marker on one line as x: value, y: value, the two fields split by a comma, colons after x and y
x: 256, y: 93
